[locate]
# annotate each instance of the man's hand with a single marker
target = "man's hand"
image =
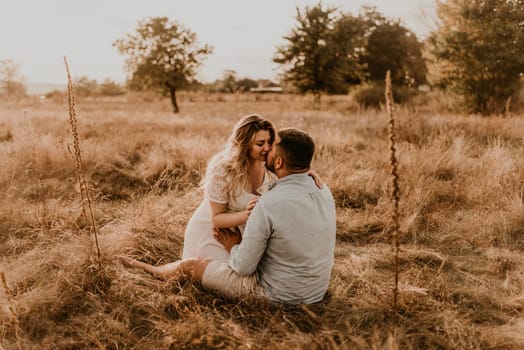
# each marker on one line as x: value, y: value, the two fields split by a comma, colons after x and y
x: 227, y: 237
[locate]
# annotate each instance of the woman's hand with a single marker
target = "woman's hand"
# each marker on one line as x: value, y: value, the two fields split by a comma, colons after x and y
x: 316, y: 178
x: 250, y: 206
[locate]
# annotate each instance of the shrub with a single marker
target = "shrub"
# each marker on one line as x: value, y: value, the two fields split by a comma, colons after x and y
x: 372, y: 95
x: 110, y: 88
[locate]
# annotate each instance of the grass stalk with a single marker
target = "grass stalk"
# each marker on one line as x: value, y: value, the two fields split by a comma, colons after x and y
x: 395, y: 191
x: 87, y: 206
x: 14, y: 316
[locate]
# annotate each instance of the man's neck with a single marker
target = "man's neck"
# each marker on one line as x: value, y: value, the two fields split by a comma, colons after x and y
x: 283, y: 172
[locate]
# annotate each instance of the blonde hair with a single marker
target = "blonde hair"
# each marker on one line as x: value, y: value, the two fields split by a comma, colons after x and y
x: 232, y: 161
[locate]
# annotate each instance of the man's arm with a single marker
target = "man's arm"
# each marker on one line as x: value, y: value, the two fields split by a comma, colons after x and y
x: 228, y: 237
x: 244, y: 257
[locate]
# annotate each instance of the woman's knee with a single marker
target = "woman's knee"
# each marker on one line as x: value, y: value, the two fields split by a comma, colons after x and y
x: 194, y: 268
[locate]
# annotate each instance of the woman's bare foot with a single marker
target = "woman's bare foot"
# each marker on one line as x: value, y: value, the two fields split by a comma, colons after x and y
x: 128, y: 261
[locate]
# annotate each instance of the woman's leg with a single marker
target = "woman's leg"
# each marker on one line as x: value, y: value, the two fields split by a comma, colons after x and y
x: 163, y: 272
x: 192, y: 268
x: 212, y: 250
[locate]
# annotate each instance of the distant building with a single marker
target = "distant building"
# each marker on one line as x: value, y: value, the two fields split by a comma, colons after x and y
x: 273, y: 89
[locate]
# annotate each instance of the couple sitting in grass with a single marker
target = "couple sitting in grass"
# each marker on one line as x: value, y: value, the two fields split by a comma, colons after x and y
x: 266, y: 227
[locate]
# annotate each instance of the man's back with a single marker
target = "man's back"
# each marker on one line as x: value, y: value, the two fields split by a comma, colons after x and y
x: 296, y: 223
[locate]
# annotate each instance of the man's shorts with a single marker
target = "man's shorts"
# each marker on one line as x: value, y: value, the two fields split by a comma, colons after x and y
x: 220, y: 277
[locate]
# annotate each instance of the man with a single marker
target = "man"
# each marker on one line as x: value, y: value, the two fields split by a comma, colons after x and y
x: 287, y: 249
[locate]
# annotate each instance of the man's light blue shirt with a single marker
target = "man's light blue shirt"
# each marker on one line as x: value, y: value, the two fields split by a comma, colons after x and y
x: 289, y: 241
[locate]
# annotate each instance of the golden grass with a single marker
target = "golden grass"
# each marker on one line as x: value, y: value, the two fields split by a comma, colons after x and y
x: 12, y: 312
x: 462, y: 180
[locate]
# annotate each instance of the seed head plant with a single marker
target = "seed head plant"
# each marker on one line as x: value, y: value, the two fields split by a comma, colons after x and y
x: 87, y: 207
x: 395, y: 191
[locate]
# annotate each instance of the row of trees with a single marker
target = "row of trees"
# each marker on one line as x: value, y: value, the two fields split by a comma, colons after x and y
x: 475, y: 51
x: 229, y: 83
x: 85, y: 86
x: 232, y: 83
x: 327, y: 53
x: 12, y: 84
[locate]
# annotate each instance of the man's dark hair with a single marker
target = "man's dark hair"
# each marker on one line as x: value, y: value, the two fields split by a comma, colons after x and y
x: 296, y: 147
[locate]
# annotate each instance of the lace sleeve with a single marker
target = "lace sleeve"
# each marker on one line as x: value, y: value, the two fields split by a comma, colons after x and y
x: 215, y: 189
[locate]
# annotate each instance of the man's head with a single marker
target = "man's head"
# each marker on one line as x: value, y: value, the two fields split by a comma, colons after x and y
x: 292, y: 152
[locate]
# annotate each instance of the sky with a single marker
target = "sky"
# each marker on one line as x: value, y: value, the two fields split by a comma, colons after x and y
x: 37, y: 34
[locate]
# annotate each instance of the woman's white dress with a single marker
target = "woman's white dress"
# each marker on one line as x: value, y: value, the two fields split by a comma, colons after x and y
x: 198, y: 237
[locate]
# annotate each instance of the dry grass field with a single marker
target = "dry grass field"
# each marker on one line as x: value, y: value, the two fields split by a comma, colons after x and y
x: 461, y: 210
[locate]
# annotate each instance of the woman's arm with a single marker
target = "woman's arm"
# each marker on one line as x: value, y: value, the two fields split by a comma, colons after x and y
x: 316, y: 178
x: 222, y: 219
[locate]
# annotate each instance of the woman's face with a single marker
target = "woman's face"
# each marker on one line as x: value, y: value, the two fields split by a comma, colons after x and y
x: 260, y: 146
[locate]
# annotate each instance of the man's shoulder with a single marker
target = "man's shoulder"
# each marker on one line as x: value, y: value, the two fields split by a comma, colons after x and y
x: 294, y: 189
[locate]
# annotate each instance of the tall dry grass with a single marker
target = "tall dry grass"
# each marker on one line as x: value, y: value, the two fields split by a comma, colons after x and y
x: 11, y: 309
x: 462, y: 266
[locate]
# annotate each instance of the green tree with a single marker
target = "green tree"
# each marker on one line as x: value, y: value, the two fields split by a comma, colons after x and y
x: 229, y: 82
x: 480, y: 45
x: 347, y: 42
x: 308, y: 58
x: 162, y: 56
x: 11, y: 82
x: 245, y: 84
x: 391, y: 46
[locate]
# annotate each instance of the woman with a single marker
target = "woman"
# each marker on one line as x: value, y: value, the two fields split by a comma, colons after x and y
x: 234, y: 179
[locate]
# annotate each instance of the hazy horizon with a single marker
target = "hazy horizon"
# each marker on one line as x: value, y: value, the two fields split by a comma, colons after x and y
x: 244, y: 36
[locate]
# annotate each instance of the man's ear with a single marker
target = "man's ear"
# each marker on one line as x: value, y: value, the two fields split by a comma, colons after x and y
x: 279, y: 162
